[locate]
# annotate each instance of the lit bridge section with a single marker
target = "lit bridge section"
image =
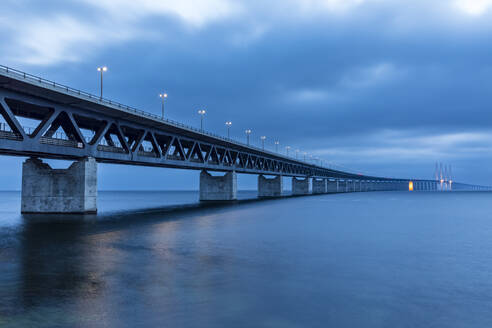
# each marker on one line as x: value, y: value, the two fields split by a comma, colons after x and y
x: 43, y: 119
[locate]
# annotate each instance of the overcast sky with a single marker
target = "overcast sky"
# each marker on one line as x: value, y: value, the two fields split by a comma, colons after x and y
x: 379, y: 86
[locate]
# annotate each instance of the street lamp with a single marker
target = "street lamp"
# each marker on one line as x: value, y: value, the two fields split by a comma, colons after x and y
x: 287, y: 149
x: 228, y: 124
x: 248, y: 132
x: 202, y: 113
x: 304, y: 156
x: 163, y: 96
x: 297, y: 153
x: 276, y: 145
x: 102, y: 70
x: 263, y: 142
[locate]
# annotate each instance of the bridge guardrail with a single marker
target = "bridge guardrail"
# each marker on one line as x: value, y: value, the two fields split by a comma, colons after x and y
x: 117, y: 105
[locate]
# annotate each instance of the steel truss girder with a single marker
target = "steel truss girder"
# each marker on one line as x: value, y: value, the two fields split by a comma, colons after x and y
x: 169, y: 149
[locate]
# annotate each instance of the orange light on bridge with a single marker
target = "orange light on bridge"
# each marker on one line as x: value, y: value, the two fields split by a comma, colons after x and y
x: 410, y: 186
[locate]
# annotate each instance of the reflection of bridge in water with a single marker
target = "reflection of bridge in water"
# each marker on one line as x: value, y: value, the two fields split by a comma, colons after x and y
x: 43, y: 119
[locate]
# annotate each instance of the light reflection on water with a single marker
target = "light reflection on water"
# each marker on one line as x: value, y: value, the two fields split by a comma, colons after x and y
x: 347, y: 260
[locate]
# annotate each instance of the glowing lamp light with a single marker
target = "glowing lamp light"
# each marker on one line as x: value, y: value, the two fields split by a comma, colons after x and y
x: 410, y: 186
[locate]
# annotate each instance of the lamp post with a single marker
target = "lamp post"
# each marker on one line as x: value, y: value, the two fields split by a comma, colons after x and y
x: 202, y: 113
x: 263, y: 142
x: 287, y: 150
x: 102, y: 70
x: 163, y: 96
x: 228, y: 124
x: 304, y: 156
x: 297, y: 153
x: 248, y: 132
x: 276, y: 145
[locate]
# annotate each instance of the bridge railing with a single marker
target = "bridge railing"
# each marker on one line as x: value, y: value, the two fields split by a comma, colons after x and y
x: 69, y: 90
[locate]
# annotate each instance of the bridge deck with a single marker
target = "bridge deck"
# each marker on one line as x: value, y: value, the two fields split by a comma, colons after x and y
x: 72, y: 124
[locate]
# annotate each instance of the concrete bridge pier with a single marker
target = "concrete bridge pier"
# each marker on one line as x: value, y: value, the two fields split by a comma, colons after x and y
x: 362, y: 184
x: 70, y: 191
x: 342, y: 185
x: 332, y: 186
x: 320, y: 186
x: 269, y: 187
x: 300, y: 186
x: 218, y: 188
x: 355, y: 186
x: 350, y: 186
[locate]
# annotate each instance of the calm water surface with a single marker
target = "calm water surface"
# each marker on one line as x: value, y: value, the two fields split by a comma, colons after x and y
x: 388, y: 259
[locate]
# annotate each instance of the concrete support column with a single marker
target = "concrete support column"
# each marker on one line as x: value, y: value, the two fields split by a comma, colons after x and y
x: 349, y: 186
x: 342, y: 186
x: 269, y: 187
x: 300, y: 187
x: 218, y: 188
x: 320, y: 186
x: 332, y: 186
x: 47, y: 190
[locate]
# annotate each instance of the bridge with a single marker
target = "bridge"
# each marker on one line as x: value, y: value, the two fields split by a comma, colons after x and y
x: 46, y: 120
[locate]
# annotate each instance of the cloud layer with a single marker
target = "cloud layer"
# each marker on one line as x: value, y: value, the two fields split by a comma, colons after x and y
x: 378, y: 85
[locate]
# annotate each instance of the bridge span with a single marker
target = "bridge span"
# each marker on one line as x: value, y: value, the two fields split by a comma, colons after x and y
x: 43, y: 119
